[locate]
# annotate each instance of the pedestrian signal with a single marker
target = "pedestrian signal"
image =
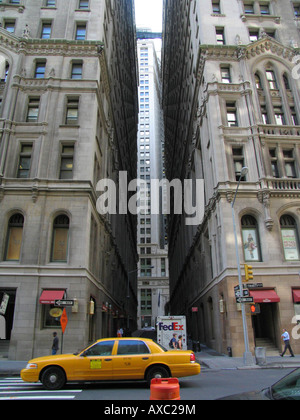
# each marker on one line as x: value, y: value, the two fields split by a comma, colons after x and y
x: 255, y: 309
x: 248, y: 273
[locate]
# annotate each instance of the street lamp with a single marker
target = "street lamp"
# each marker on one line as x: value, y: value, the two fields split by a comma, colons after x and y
x: 248, y: 358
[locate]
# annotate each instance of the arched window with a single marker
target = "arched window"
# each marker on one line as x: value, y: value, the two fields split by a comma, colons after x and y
x: 286, y: 82
x: 60, y: 239
x: 290, y: 238
x: 251, y: 241
x: 258, y: 81
x: 271, y: 80
x: 14, y: 237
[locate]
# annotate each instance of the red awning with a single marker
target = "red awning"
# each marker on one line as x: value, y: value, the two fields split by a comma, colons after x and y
x: 48, y: 297
x: 296, y: 295
x: 264, y: 296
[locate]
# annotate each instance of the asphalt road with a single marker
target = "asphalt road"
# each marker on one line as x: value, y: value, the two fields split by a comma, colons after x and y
x: 210, y: 385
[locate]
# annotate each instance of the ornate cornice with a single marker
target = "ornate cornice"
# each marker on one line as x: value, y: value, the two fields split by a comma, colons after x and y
x: 267, y: 45
x: 48, y: 47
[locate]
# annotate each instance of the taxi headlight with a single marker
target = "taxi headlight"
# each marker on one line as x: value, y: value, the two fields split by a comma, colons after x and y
x: 31, y: 366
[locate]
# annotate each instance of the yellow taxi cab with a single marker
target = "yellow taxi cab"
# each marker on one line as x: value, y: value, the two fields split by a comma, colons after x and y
x: 112, y: 359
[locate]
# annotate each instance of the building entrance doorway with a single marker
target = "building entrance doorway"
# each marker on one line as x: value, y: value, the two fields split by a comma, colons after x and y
x: 265, y: 326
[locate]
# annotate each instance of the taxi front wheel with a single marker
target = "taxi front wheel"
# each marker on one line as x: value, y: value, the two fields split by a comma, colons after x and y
x: 53, y: 378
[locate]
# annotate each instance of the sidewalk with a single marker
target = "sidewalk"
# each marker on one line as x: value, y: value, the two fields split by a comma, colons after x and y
x: 10, y: 367
x: 211, y: 360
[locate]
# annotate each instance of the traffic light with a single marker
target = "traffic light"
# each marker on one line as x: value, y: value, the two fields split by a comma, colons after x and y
x: 255, y: 309
x: 248, y: 273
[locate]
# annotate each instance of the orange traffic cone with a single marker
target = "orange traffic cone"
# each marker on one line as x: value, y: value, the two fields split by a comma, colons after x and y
x: 165, y: 389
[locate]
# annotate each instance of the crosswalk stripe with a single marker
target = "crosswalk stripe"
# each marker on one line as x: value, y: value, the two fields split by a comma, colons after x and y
x: 68, y: 391
x: 39, y: 397
x: 17, y: 389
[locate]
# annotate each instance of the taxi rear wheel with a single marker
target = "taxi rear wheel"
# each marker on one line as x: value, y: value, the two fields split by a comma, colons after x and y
x: 157, y: 372
x: 53, y: 378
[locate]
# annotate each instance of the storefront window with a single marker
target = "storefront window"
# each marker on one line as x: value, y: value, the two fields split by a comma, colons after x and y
x: 51, y: 316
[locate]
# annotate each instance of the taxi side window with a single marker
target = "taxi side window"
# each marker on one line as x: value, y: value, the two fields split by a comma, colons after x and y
x: 101, y: 349
x: 132, y: 347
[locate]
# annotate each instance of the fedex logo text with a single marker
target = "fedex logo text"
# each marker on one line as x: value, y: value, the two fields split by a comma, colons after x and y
x: 175, y: 326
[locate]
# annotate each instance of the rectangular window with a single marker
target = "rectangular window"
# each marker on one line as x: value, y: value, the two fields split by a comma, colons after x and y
x: 264, y: 114
x: 50, y: 3
x: 67, y: 162
x: 72, y: 111
x: 249, y: 8
x: 146, y: 301
x: 294, y: 116
x: 10, y: 26
x: 40, y: 69
x: 76, y: 71
x: 264, y: 9
x: 216, y: 7
x: 163, y: 267
x: 226, y: 76
x: 46, y: 30
x: 220, y: 36
x: 274, y: 163
x: 25, y: 161
x: 231, y: 114
x: 253, y: 35
x: 279, y: 116
x: 33, y: 110
x: 83, y: 4
x: 238, y: 161
x: 271, y: 80
x: 80, y: 32
x: 289, y: 163
x: 296, y: 10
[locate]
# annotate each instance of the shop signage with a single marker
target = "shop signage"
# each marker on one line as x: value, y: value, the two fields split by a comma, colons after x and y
x: 290, y: 244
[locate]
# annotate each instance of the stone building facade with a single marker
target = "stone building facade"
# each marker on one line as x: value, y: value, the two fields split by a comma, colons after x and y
x: 68, y: 118
x: 231, y: 100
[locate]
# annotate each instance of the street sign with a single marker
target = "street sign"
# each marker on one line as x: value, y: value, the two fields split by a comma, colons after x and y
x: 254, y: 285
x: 64, y: 321
x: 246, y: 293
x: 64, y: 303
x: 244, y: 300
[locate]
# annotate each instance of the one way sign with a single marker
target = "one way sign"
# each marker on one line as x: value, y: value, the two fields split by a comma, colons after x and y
x: 244, y: 300
x: 63, y: 303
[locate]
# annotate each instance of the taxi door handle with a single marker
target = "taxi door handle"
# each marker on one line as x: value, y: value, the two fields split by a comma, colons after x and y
x: 145, y: 358
x: 107, y: 360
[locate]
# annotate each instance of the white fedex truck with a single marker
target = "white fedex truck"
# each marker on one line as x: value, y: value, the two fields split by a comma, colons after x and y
x: 169, y: 325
